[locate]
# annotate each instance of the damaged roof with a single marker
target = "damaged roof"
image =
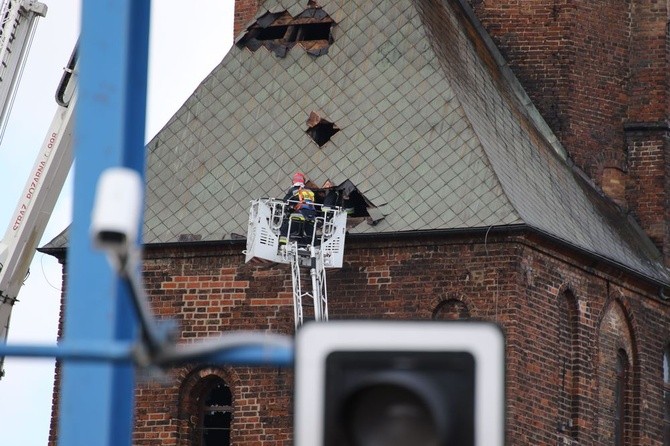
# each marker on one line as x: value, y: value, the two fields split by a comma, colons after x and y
x: 432, y: 129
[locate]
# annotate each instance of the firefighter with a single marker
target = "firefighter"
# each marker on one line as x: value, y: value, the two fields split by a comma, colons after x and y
x: 300, y: 202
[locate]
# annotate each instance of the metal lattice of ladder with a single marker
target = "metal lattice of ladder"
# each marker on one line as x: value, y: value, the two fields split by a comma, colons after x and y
x: 319, y: 293
x: 18, y: 19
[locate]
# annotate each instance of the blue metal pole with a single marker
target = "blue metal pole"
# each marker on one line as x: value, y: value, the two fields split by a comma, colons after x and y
x: 253, y: 355
x: 96, y: 398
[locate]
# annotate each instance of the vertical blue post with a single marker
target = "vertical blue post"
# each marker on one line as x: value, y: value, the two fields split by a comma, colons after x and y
x: 96, y: 399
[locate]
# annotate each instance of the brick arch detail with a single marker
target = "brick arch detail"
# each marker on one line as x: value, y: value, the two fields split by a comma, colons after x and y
x: 566, y: 288
x: 192, y: 384
x: 461, y: 303
x: 616, y: 333
x: 617, y: 298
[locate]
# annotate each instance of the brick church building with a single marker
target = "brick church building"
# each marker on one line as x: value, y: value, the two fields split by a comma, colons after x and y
x: 510, y: 161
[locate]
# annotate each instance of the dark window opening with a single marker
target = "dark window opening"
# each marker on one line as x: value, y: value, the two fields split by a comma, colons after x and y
x: 279, y: 32
x: 216, y: 415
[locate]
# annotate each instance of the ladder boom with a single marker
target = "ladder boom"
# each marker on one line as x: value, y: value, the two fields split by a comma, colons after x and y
x: 18, y: 19
x: 35, y: 205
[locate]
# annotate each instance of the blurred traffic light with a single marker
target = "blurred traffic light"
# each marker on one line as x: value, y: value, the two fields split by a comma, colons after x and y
x: 383, y: 383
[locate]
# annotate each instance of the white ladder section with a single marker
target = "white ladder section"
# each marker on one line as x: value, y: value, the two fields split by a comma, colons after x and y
x: 319, y: 294
x: 18, y: 20
x: 40, y: 193
x: 325, y: 249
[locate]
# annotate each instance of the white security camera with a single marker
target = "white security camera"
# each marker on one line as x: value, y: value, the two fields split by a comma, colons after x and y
x: 365, y: 383
x: 115, y: 220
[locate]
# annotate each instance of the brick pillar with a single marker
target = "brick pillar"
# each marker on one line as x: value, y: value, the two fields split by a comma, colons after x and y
x: 597, y: 101
x: 245, y: 10
x: 648, y: 95
x: 648, y: 122
x: 599, y: 73
x: 648, y: 187
x: 571, y: 57
x: 534, y: 38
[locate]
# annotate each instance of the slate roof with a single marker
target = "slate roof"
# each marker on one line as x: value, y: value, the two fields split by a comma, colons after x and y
x: 434, y: 129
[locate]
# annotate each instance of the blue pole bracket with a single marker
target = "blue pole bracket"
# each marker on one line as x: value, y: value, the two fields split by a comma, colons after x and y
x: 234, y: 348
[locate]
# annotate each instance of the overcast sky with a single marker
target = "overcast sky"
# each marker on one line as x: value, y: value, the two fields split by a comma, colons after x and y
x: 188, y: 39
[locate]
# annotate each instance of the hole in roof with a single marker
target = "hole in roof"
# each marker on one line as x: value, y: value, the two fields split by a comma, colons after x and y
x: 271, y: 33
x: 347, y: 196
x: 319, y: 129
x: 310, y: 32
x: 279, y: 32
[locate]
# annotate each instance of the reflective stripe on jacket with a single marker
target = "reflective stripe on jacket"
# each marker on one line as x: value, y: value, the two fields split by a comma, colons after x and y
x: 300, y: 198
x: 305, y: 199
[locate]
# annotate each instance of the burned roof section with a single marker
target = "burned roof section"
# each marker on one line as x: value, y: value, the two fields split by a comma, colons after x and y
x: 347, y: 196
x: 279, y: 32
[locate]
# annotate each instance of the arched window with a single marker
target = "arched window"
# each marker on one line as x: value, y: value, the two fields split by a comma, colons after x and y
x: 621, y: 371
x: 216, y: 411
x: 568, y: 342
x: 666, y: 395
x: 451, y: 309
x: 618, y: 393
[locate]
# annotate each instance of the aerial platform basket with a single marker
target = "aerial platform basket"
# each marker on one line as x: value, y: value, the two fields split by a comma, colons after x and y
x: 265, y: 220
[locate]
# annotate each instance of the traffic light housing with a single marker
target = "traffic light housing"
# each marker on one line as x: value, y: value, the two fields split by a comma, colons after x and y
x: 397, y: 383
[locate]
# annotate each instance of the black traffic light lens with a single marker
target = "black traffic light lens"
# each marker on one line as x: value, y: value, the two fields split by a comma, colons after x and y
x: 389, y: 415
x: 399, y: 398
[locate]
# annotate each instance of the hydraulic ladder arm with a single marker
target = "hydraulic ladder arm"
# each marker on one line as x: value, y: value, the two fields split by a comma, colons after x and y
x: 40, y: 193
x: 18, y: 20
x: 313, y: 258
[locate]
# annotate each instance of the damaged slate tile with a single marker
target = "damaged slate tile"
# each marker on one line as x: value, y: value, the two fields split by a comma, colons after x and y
x: 279, y: 32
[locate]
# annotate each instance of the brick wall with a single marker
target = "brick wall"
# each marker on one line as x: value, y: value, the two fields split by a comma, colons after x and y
x: 650, y: 48
x: 648, y: 120
x: 245, y: 10
x: 646, y: 195
x: 208, y: 293
x: 594, y: 68
x: 571, y: 56
x: 556, y: 313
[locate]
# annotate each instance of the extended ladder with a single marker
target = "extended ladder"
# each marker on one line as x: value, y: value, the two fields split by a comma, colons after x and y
x: 18, y: 19
x: 324, y: 248
x: 317, y: 272
x: 40, y: 193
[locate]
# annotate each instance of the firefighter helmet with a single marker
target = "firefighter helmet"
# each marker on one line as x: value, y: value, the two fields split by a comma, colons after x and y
x: 299, y: 178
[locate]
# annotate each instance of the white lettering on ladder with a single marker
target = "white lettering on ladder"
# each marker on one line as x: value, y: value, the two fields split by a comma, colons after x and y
x: 34, y: 183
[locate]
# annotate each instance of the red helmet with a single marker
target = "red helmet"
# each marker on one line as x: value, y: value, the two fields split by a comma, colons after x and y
x: 299, y: 178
